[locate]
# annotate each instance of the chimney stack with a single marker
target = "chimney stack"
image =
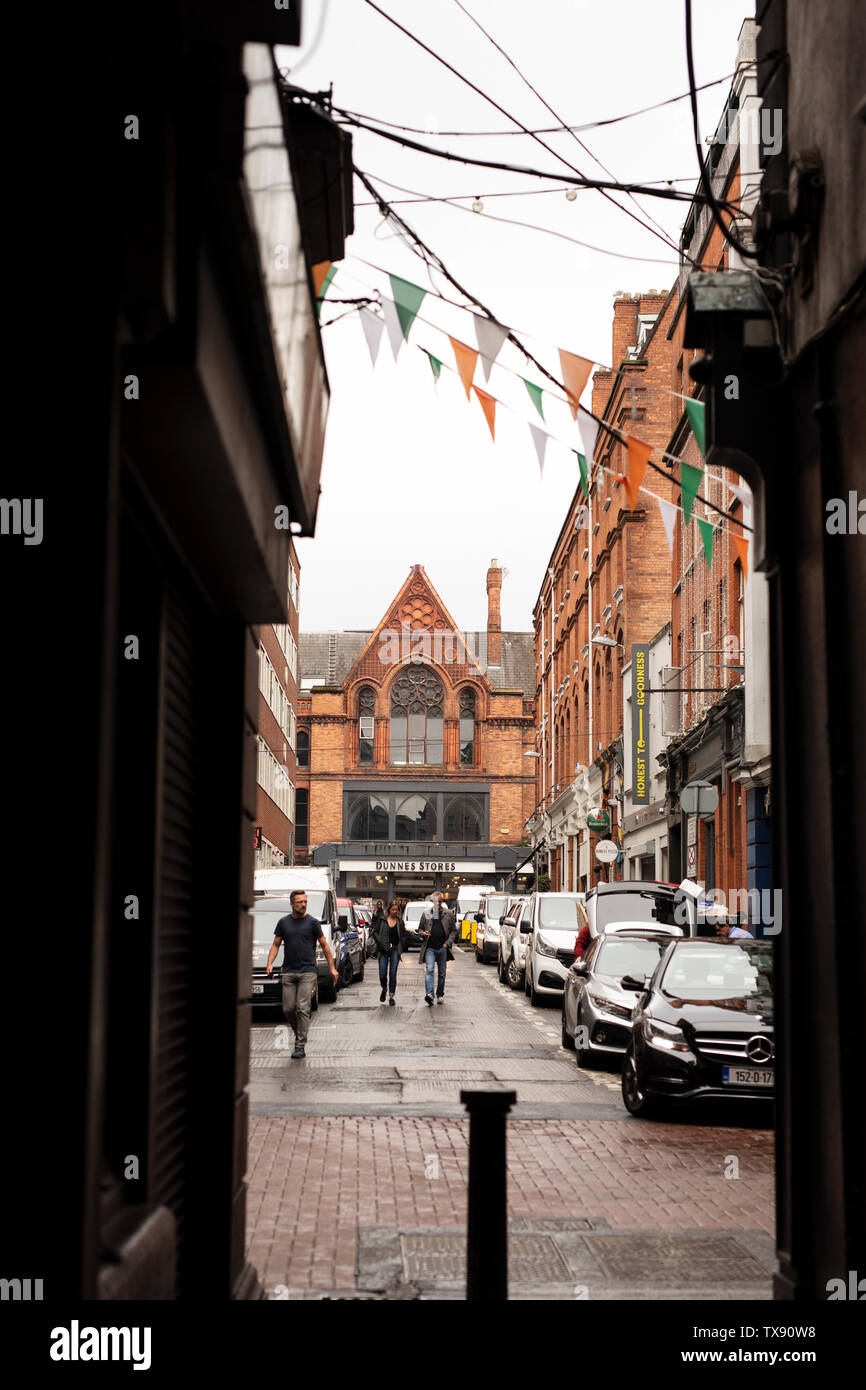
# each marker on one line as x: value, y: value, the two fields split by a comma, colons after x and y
x: 494, y: 621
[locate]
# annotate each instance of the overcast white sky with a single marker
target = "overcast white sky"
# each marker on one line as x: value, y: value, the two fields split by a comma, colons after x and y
x: 410, y: 474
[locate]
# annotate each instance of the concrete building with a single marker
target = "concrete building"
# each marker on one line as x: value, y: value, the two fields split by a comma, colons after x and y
x: 416, y: 734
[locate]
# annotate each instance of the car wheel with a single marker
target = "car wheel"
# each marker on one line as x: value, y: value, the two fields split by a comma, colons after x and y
x: 634, y: 1097
x: 477, y: 956
x: 360, y: 974
x: 585, y: 1057
x: 512, y: 974
x: 567, y: 1039
x: 347, y: 974
x: 534, y: 996
x: 500, y: 970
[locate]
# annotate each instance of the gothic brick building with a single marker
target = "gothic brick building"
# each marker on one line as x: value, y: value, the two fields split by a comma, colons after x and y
x: 411, y: 742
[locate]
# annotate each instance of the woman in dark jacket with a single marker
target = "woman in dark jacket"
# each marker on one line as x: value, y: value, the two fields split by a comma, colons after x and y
x: 389, y: 936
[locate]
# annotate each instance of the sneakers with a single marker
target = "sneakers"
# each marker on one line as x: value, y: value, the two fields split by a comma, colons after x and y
x: 428, y: 999
x: 391, y: 999
x: 382, y: 995
x: 440, y: 1000
x: 299, y: 1050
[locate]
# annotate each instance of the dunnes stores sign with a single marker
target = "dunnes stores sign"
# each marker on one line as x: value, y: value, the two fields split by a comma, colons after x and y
x: 423, y: 866
x: 640, y: 725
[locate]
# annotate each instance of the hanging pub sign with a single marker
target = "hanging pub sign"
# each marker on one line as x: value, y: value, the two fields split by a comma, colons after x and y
x: 640, y: 725
x: 598, y: 819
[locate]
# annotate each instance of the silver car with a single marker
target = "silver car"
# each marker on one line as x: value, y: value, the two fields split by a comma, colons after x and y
x: 513, y: 934
x: 493, y: 907
x: 556, y: 921
x: 596, y: 1010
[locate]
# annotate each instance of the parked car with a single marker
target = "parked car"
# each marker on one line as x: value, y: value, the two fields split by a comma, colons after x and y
x: 702, y: 1026
x: 411, y: 917
x: 363, y: 919
x: 470, y: 900
x: 321, y: 904
x: 352, y: 958
x: 493, y: 906
x: 555, y: 921
x: 267, y: 990
x: 513, y: 934
x: 280, y: 882
x: 639, y: 905
x: 594, y: 999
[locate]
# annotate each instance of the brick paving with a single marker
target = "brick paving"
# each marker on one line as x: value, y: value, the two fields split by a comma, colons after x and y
x: 323, y: 1187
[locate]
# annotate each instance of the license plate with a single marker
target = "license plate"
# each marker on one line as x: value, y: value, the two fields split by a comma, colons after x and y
x: 748, y: 1076
x: 258, y: 989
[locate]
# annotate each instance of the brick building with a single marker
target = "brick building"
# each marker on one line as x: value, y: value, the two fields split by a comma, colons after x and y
x: 276, y: 744
x: 719, y: 612
x: 607, y: 586
x: 412, y: 738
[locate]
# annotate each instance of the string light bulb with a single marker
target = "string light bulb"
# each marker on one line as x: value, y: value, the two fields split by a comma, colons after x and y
x: 477, y: 205
x: 571, y: 194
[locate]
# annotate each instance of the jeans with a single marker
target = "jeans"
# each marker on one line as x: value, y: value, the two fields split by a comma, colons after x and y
x: 437, y: 956
x: 389, y: 958
x: 297, y: 998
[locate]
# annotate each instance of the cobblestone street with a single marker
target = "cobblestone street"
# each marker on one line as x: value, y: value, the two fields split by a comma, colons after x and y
x: 358, y: 1159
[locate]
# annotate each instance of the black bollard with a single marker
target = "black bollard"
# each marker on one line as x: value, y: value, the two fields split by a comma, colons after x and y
x: 486, y: 1230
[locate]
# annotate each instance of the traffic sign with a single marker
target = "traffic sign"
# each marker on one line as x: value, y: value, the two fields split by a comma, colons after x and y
x: 691, y: 856
x: 606, y: 851
x: 699, y: 799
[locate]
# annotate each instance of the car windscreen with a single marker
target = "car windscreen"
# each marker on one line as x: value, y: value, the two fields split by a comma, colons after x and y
x: 560, y: 913
x: 469, y: 905
x: 719, y: 972
x: 265, y: 918
x: 413, y: 911
x: 620, y: 956
x: 645, y: 906
x: 494, y: 906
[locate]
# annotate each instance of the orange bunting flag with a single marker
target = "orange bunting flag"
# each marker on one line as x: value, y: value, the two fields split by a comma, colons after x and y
x: 575, y: 375
x: 488, y: 405
x: 320, y: 272
x: 638, y: 453
x: 466, y: 357
x: 742, y: 544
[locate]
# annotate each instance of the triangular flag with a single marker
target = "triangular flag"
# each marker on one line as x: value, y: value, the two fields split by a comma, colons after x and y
x: 584, y: 472
x: 669, y: 519
x: 742, y: 544
x: 696, y: 411
x: 490, y: 336
x: 393, y: 325
x: 373, y: 327
x: 325, y: 281
x: 690, y: 481
x: 466, y: 360
x: 539, y: 439
x: 488, y: 405
x: 408, y: 299
x: 435, y: 365
x: 707, y: 530
x: 588, y: 429
x: 743, y: 494
x: 575, y: 375
x: 320, y: 274
x: 535, y: 394
x: 638, y: 453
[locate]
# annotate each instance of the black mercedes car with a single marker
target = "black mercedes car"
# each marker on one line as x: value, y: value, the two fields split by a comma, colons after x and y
x: 702, y: 1025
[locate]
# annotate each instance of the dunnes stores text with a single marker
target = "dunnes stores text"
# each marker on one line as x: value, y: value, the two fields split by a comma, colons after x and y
x: 423, y: 866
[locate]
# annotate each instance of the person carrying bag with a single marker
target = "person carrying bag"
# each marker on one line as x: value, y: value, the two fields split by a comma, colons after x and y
x: 390, y: 938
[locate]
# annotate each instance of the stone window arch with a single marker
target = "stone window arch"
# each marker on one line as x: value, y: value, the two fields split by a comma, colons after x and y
x: 417, y: 718
x: 366, y: 723
x: 467, y: 707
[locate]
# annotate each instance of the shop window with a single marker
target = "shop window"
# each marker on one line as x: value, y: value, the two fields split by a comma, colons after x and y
x: 367, y: 817
x: 416, y: 818
x: 464, y: 819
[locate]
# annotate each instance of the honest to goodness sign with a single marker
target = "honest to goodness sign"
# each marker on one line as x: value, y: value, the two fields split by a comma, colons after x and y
x: 640, y: 731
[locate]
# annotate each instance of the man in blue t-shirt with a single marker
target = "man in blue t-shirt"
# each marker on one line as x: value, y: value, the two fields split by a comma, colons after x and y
x: 299, y: 935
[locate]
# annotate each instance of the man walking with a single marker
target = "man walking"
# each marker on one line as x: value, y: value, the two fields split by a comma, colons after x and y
x: 437, y: 930
x: 299, y: 935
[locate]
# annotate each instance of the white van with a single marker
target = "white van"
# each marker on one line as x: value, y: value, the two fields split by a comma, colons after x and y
x: 470, y: 899
x: 282, y: 881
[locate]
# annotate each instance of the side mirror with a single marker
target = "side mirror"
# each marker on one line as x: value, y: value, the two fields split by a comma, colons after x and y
x: 502, y: 921
x: 525, y: 928
x: 630, y: 982
x: 343, y: 921
x: 479, y: 916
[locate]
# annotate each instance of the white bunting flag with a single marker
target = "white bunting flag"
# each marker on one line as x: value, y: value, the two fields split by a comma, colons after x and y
x: 393, y: 325
x: 669, y: 517
x: 373, y: 326
x: 588, y: 433
x: 743, y: 494
x: 490, y: 336
x: 539, y: 439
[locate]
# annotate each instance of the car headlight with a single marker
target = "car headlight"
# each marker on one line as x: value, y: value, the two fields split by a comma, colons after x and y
x: 543, y: 947
x: 491, y: 929
x: 663, y: 1036
x: 618, y: 1010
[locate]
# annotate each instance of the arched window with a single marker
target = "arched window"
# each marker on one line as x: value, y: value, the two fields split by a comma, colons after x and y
x: 417, y: 717
x: 463, y: 819
x: 303, y: 748
x: 366, y: 724
x: 467, y: 726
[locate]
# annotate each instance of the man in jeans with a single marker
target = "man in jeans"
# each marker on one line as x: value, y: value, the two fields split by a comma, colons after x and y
x: 299, y: 935
x: 437, y: 930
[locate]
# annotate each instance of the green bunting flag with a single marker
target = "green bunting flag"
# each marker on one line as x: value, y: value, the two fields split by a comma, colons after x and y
x: 690, y: 481
x: 435, y: 365
x: 324, y: 290
x: 535, y: 395
x: 697, y: 411
x: 707, y: 530
x: 584, y: 473
x: 408, y: 299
